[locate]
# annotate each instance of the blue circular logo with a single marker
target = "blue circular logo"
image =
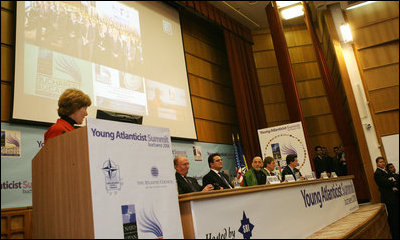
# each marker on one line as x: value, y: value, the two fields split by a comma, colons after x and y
x: 154, y: 171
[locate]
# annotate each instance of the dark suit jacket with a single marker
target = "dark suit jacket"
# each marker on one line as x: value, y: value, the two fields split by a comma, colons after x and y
x: 211, y: 178
x: 287, y: 170
x: 322, y: 164
x: 388, y: 196
x: 183, y: 186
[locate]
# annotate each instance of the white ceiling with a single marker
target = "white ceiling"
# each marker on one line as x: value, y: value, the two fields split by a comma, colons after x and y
x: 252, y: 13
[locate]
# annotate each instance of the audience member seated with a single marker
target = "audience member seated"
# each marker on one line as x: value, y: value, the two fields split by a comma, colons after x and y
x: 389, y: 195
x: 291, y: 164
x: 256, y: 175
x: 187, y: 184
x: 321, y: 163
x: 269, y: 166
x: 215, y: 177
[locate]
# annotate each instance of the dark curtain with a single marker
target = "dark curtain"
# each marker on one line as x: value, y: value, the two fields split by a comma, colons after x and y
x: 249, y: 104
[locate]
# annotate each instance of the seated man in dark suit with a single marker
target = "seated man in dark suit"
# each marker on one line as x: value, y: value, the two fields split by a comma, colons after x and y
x: 257, y: 175
x: 291, y: 164
x: 186, y: 184
x: 215, y: 177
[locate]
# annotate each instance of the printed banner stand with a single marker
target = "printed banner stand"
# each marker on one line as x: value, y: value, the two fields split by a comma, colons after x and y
x: 280, y: 141
x: 106, y: 180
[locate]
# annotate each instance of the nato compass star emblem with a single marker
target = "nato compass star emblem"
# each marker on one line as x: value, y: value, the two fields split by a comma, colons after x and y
x: 246, y: 227
x: 111, y: 173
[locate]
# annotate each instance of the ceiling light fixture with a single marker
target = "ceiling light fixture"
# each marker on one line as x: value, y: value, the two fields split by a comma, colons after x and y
x: 292, y: 12
x: 346, y: 33
x: 360, y: 5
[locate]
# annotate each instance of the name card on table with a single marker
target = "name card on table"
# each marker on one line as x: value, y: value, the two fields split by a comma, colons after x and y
x: 273, y: 180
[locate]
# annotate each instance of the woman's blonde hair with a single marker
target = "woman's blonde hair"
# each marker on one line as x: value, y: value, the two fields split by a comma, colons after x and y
x: 72, y: 100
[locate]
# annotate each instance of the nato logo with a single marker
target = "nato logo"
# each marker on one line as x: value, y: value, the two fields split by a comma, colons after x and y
x: 154, y: 171
x: 246, y: 227
x: 111, y: 174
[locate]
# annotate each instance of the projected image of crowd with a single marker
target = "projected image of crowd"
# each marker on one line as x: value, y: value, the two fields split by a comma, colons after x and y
x: 85, y: 30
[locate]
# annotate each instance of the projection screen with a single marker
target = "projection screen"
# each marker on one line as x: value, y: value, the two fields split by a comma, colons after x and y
x: 127, y: 56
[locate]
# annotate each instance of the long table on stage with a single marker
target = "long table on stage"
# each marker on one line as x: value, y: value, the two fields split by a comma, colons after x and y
x: 286, y: 210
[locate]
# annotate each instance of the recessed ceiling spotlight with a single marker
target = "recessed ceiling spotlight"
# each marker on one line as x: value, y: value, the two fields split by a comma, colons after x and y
x: 252, y: 2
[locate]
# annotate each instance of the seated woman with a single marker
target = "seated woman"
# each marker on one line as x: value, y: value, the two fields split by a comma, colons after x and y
x: 72, y: 109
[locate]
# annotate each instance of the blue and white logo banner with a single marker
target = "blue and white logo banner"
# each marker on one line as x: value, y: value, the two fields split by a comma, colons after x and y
x: 131, y: 168
x: 280, y: 141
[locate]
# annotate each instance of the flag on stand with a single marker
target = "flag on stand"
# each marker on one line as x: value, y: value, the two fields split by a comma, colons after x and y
x: 242, y: 159
x: 239, y: 174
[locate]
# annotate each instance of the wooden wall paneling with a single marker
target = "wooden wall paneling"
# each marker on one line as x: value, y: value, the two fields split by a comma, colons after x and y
x: 304, y: 71
x: 387, y: 122
x: 315, y: 106
x: 373, y: 13
x: 207, y: 70
x: 321, y: 124
x: 215, y: 132
x: 16, y: 223
x: 328, y: 139
x: 382, y: 77
x: 268, y: 76
x: 262, y: 42
x: 300, y: 54
x: 278, y: 123
x: 385, y: 99
x: 376, y: 34
x: 311, y: 88
x: 204, y: 51
x: 272, y: 94
x: 265, y: 59
x: 7, y: 27
x: 204, y: 88
x: 6, y: 63
x: 210, y: 84
x: 379, y: 55
x: 5, y: 102
x: 10, y: 5
x: 214, y: 111
x: 276, y: 112
x: 297, y: 36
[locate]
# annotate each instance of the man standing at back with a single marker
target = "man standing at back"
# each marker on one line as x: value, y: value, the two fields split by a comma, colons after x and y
x: 256, y: 175
x: 215, y: 177
x: 186, y: 184
x: 321, y: 162
x: 389, y: 195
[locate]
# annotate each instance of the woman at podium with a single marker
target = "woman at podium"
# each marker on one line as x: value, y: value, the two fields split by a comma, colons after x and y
x: 72, y: 109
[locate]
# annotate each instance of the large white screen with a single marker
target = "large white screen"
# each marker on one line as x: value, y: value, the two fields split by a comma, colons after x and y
x: 127, y: 56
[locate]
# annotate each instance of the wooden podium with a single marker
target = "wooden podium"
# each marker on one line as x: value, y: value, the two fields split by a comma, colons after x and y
x: 61, y: 198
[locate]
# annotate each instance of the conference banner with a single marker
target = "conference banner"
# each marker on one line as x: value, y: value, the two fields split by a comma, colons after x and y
x: 16, y: 171
x: 19, y: 144
x: 280, y: 141
x: 134, y: 192
x: 292, y: 212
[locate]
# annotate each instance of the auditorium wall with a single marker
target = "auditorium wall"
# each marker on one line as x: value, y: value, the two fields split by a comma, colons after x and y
x: 313, y: 98
x: 375, y: 29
